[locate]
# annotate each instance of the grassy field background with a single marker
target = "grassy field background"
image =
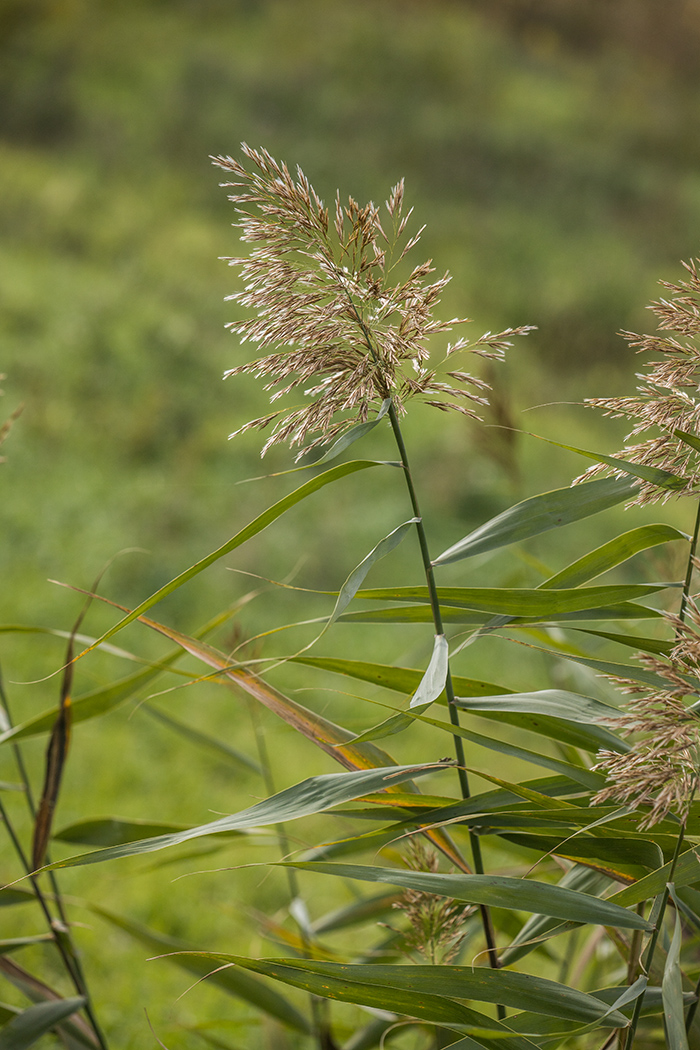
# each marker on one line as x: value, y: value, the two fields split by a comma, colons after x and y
x: 555, y: 164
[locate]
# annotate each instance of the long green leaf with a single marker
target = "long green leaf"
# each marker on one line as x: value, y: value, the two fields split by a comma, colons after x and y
x: 360, y: 988
x: 520, y: 991
x: 519, y: 601
x: 405, y: 680
x: 613, y: 553
x: 231, y: 980
x: 399, y: 679
x: 313, y: 795
x: 256, y: 526
x: 470, y: 618
x: 26, y: 1028
x: 586, y: 777
x: 672, y: 989
x: 557, y: 703
x: 359, y: 573
x: 538, y: 514
x: 496, y: 891
x: 654, y: 475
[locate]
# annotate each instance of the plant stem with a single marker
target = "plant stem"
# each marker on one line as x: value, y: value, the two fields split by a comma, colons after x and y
x: 449, y: 688
x: 657, y: 916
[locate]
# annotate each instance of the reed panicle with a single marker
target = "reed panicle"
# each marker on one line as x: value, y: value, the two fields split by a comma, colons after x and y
x: 661, y: 770
x: 667, y: 400
x: 336, y: 322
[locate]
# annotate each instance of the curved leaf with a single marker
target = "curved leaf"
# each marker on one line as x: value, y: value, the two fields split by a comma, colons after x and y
x: 496, y: 891
x: 423, y: 983
x: 357, y: 984
x: 558, y: 703
x: 256, y: 526
x: 549, y: 510
x: 27, y: 1027
x: 313, y: 795
x: 613, y: 553
x: 519, y: 601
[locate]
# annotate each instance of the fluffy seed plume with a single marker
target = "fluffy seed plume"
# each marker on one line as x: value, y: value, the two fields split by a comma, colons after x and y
x: 661, y: 770
x: 436, y: 924
x: 668, y: 398
x: 334, y: 322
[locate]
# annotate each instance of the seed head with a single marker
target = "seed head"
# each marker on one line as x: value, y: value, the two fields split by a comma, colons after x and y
x: 335, y: 323
x: 668, y: 397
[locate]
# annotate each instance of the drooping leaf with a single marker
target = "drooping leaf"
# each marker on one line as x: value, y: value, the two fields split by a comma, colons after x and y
x: 27, y: 1027
x: 434, y: 987
x: 313, y: 795
x: 519, y: 601
x: 558, y: 703
x: 469, y: 618
x: 359, y: 573
x: 432, y: 684
x: 654, y: 475
x: 586, y: 777
x: 405, y: 680
x: 613, y: 553
x: 256, y: 526
x: 496, y: 891
x: 538, y: 514
x: 399, y: 679
x: 99, y: 701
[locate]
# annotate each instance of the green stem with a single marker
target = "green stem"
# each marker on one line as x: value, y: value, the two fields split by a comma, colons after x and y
x: 449, y: 688
x: 657, y: 917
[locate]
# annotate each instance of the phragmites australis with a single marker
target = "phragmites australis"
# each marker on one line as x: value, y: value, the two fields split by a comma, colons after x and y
x: 661, y: 769
x: 436, y: 925
x: 667, y: 404
x: 335, y: 322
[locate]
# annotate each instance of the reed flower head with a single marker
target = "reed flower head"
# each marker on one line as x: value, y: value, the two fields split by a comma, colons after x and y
x: 667, y: 405
x: 334, y: 322
x: 661, y: 770
x: 436, y: 924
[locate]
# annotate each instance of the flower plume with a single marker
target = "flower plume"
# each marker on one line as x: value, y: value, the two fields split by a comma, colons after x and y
x: 668, y: 399
x: 661, y: 769
x: 332, y: 320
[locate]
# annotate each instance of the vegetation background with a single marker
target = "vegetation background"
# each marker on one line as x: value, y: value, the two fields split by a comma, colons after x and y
x: 550, y: 146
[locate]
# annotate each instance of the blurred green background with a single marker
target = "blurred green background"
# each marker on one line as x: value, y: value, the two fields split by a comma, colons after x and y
x: 551, y: 148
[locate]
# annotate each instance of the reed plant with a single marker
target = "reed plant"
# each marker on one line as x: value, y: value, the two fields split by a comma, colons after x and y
x: 557, y: 909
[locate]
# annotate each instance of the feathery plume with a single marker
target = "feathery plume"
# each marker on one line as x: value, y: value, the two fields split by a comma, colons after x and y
x: 436, y: 924
x: 661, y: 770
x: 333, y: 322
x: 668, y: 397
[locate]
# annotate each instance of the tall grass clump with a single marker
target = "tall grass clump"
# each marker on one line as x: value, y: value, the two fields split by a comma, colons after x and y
x: 495, y: 908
